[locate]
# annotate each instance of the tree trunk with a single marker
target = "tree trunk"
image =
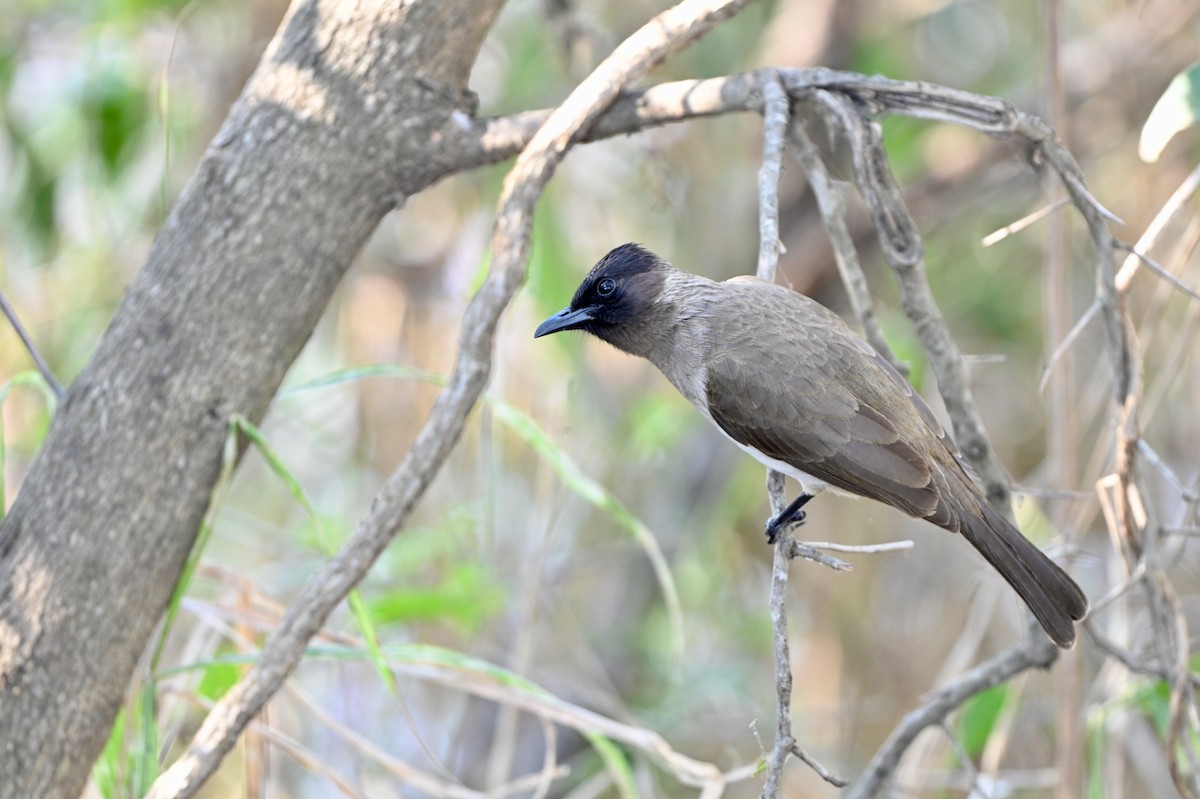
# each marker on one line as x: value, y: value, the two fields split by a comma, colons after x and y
x: 352, y: 109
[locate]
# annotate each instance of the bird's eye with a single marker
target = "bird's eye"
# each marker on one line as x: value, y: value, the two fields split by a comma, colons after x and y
x: 606, y: 286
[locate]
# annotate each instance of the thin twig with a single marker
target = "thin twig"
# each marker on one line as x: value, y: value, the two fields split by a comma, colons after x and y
x: 963, y: 756
x: 997, y: 236
x: 1065, y: 344
x: 866, y: 549
x: 833, y: 218
x: 11, y: 314
x: 783, y: 670
x: 1116, y: 592
x: 798, y: 549
x: 775, y: 117
x: 904, y: 251
x: 1151, y: 455
x: 1167, y: 214
x: 1160, y: 270
x: 822, y: 772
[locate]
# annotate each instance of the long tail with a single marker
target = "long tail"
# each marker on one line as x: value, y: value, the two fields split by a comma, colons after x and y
x: 1055, y: 599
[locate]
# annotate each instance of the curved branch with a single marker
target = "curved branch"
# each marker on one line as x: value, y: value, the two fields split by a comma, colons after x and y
x: 666, y: 33
x: 1038, y: 652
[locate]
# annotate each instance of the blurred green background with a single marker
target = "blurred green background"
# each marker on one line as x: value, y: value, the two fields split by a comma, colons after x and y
x: 529, y: 551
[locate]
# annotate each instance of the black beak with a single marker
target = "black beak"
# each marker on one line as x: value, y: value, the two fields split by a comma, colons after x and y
x: 566, y: 319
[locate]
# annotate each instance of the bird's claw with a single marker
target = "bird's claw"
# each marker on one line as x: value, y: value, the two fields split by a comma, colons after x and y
x: 778, y: 524
x: 791, y: 516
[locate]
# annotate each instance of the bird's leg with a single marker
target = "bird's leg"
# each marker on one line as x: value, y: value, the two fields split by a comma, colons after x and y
x: 790, y: 515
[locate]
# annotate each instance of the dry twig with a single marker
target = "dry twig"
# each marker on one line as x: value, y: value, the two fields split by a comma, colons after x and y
x: 775, y: 123
x: 43, y: 368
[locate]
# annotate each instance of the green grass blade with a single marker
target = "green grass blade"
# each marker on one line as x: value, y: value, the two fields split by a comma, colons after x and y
x: 146, y: 755
x: 595, y: 493
x: 353, y: 374
x: 615, y: 762
x: 28, y: 379
x: 610, y: 754
x: 358, y: 608
x: 566, y: 468
x: 31, y: 379
x: 106, y: 773
x: 362, y: 617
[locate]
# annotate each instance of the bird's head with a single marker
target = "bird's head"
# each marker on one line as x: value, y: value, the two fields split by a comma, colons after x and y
x: 620, y: 301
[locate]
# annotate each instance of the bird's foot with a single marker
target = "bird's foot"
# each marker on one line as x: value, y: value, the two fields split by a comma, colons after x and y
x: 790, y: 516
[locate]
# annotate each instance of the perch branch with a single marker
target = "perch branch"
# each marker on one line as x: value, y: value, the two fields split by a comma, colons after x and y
x: 1037, y: 652
x: 775, y: 124
x: 655, y: 41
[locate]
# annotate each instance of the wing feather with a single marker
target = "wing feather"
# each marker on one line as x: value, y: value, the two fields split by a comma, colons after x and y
x: 818, y: 410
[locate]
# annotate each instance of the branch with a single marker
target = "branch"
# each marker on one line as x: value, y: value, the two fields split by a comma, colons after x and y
x: 1037, y: 652
x: 829, y: 203
x: 776, y: 113
x: 902, y: 247
x: 775, y: 116
x: 669, y: 31
x: 490, y: 140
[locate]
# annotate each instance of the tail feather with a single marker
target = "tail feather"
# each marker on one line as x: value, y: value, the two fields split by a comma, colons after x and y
x: 1056, y: 601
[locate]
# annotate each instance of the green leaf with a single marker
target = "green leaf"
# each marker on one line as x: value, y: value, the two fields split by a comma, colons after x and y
x: 467, y: 596
x: 587, y: 488
x: 116, y: 112
x: 616, y: 763
x: 979, y: 717
x: 1153, y: 700
x: 1177, y: 109
x: 106, y: 773
x: 219, y: 676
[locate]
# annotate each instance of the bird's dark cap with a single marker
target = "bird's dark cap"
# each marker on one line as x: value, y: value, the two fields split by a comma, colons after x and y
x: 621, y: 262
x: 618, y: 285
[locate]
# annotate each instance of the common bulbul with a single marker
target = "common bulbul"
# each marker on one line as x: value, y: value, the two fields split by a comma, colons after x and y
x: 791, y: 384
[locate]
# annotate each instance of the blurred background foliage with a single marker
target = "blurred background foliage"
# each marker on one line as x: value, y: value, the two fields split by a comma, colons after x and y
x: 531, y: 551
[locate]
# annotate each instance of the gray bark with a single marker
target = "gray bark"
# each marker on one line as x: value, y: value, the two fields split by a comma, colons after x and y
x: 349, y: 112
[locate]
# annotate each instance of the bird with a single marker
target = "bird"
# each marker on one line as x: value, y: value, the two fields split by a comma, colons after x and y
x: 791, y: 384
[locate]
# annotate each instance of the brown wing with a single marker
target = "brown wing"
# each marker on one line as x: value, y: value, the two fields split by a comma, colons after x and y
x: 787, y: 377
x: 798, y: 386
